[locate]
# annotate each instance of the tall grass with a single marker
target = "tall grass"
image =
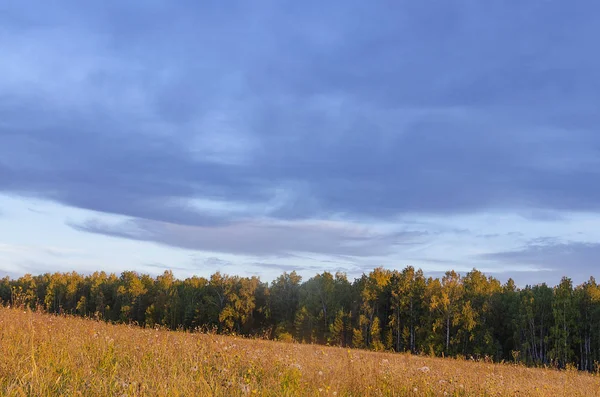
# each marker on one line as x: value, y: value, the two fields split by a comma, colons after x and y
x: 45, y: 355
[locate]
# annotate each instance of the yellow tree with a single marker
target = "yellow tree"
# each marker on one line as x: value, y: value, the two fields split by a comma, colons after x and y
x: 447, y: 302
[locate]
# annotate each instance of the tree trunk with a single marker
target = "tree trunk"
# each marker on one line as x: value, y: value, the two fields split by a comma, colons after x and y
x: 447, y: 333
x: 398, y: 329
x: 412, y: 328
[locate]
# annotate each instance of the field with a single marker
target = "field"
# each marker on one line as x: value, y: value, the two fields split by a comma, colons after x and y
x: 42, y: 355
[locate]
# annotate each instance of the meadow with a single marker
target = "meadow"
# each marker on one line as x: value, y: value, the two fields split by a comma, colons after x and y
x: 50, y: 355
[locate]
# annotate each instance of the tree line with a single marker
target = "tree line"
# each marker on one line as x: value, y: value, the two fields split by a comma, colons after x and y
x: 404, y: 311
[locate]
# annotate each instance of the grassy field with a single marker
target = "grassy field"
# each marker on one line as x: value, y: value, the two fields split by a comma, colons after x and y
x: 42, y: 355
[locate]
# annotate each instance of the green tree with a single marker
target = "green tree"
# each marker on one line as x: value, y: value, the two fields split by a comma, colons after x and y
x: 284, y: 298
x: 563, y: 330
x: 317, y: 295
x: 303, y: 325
x: 476, y: 332
x: 338, y: 329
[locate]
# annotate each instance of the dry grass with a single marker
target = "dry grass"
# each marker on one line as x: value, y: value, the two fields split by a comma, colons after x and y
x: 43, y: 355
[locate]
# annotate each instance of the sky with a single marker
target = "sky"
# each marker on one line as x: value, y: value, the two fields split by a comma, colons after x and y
x: 256, y: 138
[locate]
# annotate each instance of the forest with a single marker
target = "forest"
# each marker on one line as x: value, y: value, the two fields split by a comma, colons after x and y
x: 472, y: 316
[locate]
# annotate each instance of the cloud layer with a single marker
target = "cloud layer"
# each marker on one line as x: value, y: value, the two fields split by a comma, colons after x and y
x: 246, y: 129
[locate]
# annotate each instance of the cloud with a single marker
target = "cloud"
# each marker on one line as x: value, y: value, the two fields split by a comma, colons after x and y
x: 309, y: 269
x: 283, y: 267
x: 264, y: 238
x: 210, y: 265
x: 292, y: 113
x: 161, y: 267
x: 578, y: 260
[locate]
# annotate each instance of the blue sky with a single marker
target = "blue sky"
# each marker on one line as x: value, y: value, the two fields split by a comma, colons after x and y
x: 270, y: 136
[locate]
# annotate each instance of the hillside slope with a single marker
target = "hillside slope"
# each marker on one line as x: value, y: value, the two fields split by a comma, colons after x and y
x: 49, y: 355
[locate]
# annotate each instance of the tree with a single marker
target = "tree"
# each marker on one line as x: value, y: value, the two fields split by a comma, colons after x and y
x: 446, y: 301
x: 338, y: 329
x: 358, y: 339
x: 407, y: 289
x: 5, y: 290
x: 130, y: 292
x: 375, y: 296
x: 504, y: 320
x: 476, y: 332
x: 303, y: 325
x: 535, y: 320
x: 193, y: 292
x: 562, y: 333
x: 284, y: 298
x: 376, y: 343
x: 587, y: 302
x: 317, y: 295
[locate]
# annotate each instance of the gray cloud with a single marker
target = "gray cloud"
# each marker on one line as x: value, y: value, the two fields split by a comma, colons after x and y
x: 261, y: 238
x: 298, y: 112
x: 556, y: 258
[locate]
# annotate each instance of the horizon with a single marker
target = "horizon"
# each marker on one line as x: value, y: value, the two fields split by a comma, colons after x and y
x: 427, y: 276
x: 257, y: 140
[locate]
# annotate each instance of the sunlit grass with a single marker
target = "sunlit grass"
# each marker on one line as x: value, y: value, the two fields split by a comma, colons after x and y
x: 43, y: 355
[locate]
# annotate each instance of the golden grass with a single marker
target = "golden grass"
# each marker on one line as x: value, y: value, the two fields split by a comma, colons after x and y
x: 44, y: 355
